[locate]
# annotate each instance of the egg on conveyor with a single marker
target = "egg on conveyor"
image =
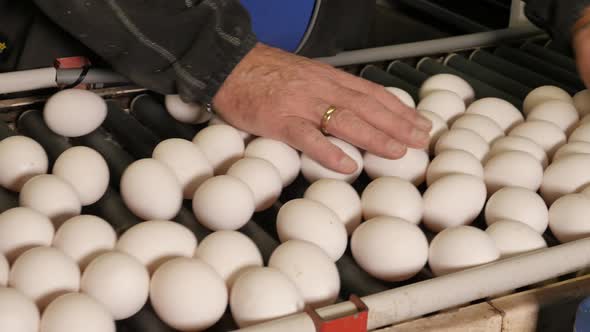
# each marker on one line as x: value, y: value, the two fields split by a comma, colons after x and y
x: 216, y: 120
x: 389, y: 249
x: 412, y: 166
x: 311, y: 270
x: 188, y: 295
x: 187, y: 161
x: 439, y: 127
x: 463, y: 139
x: 307, y: 220
x: 4, y: 270
x: 340, y: 197
x: 582, y: 102
x: 229, y: 253
x: 448, y: 82
x: 117, y: 281
x: 543, y: 94
x: 561, y: 113
x: 518, y: 204
x: 150, y: 190
x: 500, y: 111
x: 565, y: 176
x: 262, y: 177
x: 210, y: 204
x: 392, y: 197
x: 403, y: 96
x: 154, y: 242
x: 74, y: 112
x: 19, y: 313
x: 76, y: 312
x: 513, y: 169
x: 514, y: 238
x: 452, y: 162
x: 251, y: 302
x: 572, y: 148
x: 460, y: 248
x: 222, y: 145
x: 581, y: 134
x: 446, y: 104
x: 191, y: 113
x: 584, y: 120
x: 568, y: 217
x: 51, y: 196
x: 21, y: 158
x: 44, y: 273
x: 282, y: 156
x: 22, y: 228
x: 85, y: 170
x: 548, y: 135
x: 482, y: 125
x: 453, y: 200
x: 313, y: 171
x: 516, y: 143
x: 85, y: 237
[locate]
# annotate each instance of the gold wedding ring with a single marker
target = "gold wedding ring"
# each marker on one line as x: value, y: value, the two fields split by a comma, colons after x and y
x: 326, y: 118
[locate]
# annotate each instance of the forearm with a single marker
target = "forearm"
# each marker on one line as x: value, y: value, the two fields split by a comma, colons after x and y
x: 169, y: 46
x: 558, y: 17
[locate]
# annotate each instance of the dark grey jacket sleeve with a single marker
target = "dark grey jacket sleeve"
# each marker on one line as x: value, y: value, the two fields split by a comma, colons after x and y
x: 557, y: 17
x: 169, y: 46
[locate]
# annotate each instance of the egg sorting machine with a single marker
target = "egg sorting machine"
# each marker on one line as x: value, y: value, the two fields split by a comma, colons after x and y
x: 506, y: 64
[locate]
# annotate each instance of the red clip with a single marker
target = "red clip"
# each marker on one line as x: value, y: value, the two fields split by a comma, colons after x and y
x: 74, y: 62
x: 356, y: 322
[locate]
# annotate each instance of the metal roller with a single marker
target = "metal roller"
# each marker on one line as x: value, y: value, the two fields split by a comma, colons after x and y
x: 551, y: 56
x: 31, y: 123
x: 407, y: 72
x: 377, y: 75
x: 5, y: 131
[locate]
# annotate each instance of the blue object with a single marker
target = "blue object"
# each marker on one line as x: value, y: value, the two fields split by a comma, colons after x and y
x: 281, y: 23
x: 583, y: 317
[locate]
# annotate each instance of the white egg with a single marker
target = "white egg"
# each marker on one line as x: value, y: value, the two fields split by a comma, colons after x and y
x: 460, y: 248
x: 229, y: 253
x: 412, y: 166
x: 19, y: 313
x: 584, y: 120
x: 543, y: 94
x: 76, y: 312
x: 311, y: 270
x: 150, y: 190
x: 307, y: 220
x: 439, y: 127
x: 216, y: 120
x: 43, y: 274
x: 568, y: 217
x: 518, y: 204
x: 51, y: 196
x: 261, y: 177
x: 223, y: 202
x: 572, y: 148
x: 482, y: 125
x: 21, y: 158
x: 561, y: 113
x: 446, y: 104
x: 154, y: 242
x: 581, y: 134
x: 392, y: 197
x: 451, y: 162
x: 513, y: 169
x: 74, y: 112
x: 453, y: 200
x: 222, y: 145
x: 85, y: 170
x: 4, y: 271
x: 448, y: 82
x: 548, y: 135
x: 502, y: 112
x: 22, y: 229
x: 403, y: 96
x: 252, y: 303
x: 191, y: 113
x: 340, y: 197
x: 188, y: 294
x: 463, y: 139
x: 582, y: 102
x: 85, y: 237
x: 117, y: 281
x: 389, y: 249
x: 514, y: 238
x: 516, y: 143
x: 282, y: 156
x: 313, y: 171
x: 565, y: 176
x: 187, y: 161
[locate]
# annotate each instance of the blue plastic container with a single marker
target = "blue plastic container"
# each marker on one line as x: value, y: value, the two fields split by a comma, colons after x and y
x: 582, y: 323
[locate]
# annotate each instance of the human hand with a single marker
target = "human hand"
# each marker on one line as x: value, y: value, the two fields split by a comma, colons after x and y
x: 581, y: 44
x: 283, y: 96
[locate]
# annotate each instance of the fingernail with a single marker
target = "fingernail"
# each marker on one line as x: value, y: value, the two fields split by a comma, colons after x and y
x: 420, y: 136
x: 423, y: 122
x: 396, y: 148
x: 347, y: 165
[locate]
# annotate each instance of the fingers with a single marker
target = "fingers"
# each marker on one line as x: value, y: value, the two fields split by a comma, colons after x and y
x: 582, y: 48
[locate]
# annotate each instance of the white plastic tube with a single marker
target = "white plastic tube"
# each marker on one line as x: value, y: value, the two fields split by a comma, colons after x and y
x: 27, y: 80
x: 412, y: 301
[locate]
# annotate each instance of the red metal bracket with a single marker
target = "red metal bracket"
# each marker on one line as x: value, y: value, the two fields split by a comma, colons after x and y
x: 74, y: 62
x: 356, y: 322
